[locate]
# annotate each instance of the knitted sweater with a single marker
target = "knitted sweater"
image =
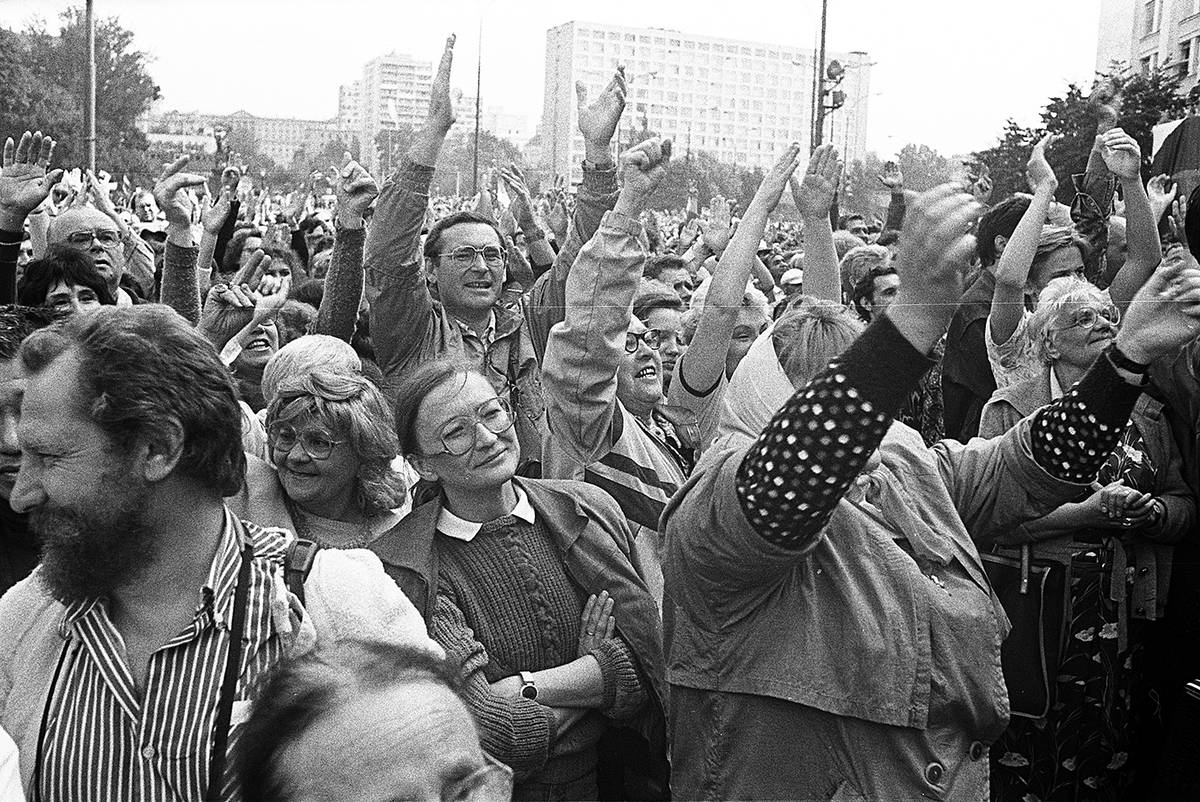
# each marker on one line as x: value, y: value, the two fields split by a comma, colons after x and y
x: 505, y: 604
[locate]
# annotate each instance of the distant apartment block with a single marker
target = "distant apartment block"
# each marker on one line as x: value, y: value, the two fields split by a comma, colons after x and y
x: 1147, y: 35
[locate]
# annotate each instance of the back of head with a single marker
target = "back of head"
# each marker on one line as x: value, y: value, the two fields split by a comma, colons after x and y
x: 999, y: 221
x: 17, y: 323
x: 653, y: 294
x: 61, y: 264
x: 144, y: 372
x: 844, y: 242
x: 655, y: 265
x: 807, y: 338
x: 305, y: 354
x: 858, y: 262
x: 302, y: 692
x: 295, y: 319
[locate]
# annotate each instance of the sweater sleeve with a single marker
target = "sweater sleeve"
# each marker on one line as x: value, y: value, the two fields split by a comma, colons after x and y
x: 179, y: 288
x: 10, y: 249
x: 519, y: 732
x: 792, y: 478
x: 624, y: 693
x: 338, y: 314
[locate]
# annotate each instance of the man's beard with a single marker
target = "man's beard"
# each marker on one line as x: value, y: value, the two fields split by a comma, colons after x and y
x: 89, y: 553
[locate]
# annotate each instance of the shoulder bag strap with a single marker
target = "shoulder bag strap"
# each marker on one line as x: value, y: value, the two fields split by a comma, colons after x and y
x: 233, y: 664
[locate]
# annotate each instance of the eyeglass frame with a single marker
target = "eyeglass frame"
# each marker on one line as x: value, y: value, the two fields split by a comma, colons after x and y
x: 93, y: 236
x: 469, y: 787
x: 476, y: 421
x: 476, y: 254
x: 273, y: 436
x: 1098, y: 314
x: 642, y: 337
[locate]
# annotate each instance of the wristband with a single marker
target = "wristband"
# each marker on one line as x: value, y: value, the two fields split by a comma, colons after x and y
x: 597, y: 166
x: 1119, y: 360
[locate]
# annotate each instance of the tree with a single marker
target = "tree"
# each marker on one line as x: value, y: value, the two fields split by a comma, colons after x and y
x: 457, y: 161
x: 55, y: 91
x: 1146, y: 100
x: 861, y: 191
x: 923, y: 167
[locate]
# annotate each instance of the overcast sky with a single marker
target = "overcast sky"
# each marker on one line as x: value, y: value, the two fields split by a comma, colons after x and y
x: 947, y: 72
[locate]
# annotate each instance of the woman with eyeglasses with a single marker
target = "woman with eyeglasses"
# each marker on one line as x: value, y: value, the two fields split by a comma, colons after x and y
x: 64, y: 281
x: 1116, y: 541
x: 330, y: 478
x: 366, y: 721
x: 536, y: 595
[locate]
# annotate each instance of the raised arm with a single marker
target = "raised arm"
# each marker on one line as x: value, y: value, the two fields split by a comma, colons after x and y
x: 596, y: 195
x: 579, y: 373
x: 814, y: 198
x: 1012, y: 270
x: 24, y: 184
x: 179, y: 287
x: 213, y: 222
x: 893, y: 180
x: 701, y: 367
x: 355, y: 190
x: 396, y: 289
x: 1124, y: 159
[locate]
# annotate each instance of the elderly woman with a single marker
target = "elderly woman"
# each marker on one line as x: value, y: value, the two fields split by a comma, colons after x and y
x: 536, y: 595
x: 330, y: 477
x: 834, y: 635
x: 365, y: 721
x: 1114, y: 539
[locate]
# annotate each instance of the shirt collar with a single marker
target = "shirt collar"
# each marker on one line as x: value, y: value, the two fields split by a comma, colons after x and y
x: 1056, y: 391
x: 489, y: 334
x: 451, y: 525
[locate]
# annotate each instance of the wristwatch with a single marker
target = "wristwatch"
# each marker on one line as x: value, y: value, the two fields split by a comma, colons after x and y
x: 1123, y: 362
x: 528, y: 686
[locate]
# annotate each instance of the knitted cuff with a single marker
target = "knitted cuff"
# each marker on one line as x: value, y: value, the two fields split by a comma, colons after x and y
x: 618, y: 670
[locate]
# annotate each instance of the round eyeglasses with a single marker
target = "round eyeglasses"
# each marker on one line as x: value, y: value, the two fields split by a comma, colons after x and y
x: 458, y: 434
x: 1089, y: 317
x: 317, y: 445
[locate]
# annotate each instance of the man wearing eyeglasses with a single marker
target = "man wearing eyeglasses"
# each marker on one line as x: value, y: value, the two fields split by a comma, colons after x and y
x: 86, y: 228
x: 455, y: 306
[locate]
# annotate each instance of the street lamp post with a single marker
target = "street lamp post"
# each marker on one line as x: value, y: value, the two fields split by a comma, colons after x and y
x: 89, y: 105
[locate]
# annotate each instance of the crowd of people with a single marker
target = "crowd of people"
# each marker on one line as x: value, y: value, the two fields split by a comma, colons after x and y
x: 554, y: 495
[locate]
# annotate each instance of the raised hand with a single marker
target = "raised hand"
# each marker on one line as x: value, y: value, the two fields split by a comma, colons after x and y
x: 777, y: 178
x: 639, y: 172
x: 934, y: 251
x: 1105, y: 100
x: 814, y: 196
x: 1038, y: 170
x: 355, y: 189
x: 598, y: 121
x: 1165, y: 313
x: 171, y: 192
x: 718, y: 229
x: 1121, y: 153
x: 251, y: 274
x: 24, y: 182
x: 441, y: 108
x: 891, y: 177
x: 1161, y: 192
x: 1176, y: 222
x: 597, y: 622
x: 214, y: 216
x: 521, y: 206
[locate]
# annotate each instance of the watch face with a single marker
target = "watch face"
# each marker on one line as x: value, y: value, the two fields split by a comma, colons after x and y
x: 529, y: 692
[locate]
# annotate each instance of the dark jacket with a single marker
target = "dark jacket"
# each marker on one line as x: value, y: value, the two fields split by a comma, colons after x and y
x: 967, y: 381
x: 598, y: 553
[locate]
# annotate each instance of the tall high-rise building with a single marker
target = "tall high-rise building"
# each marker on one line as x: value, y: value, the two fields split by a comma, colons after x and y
x: 350, y: 106
x: 743, y: 102
x: 1149, y: 35
x: 394, y: 91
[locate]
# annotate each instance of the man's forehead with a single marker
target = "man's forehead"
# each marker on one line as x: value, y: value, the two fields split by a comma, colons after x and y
x: 477, y: 234
x: 81, y: 219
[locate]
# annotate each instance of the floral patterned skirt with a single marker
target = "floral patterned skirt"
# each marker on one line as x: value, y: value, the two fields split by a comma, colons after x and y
x: 1081, y: 750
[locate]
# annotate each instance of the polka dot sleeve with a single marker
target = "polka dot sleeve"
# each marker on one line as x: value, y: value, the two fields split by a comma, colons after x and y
x: 1072, y: 437
x: 792, y: 478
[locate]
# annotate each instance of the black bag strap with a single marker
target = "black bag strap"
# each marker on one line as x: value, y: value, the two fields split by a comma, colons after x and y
x: 233, y: 666
x: 301, y: 555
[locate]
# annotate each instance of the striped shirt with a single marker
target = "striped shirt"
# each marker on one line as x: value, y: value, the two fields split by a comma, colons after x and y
x: 105, y: 741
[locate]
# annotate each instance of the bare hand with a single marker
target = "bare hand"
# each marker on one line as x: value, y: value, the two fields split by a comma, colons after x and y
x: 717, y: 231
x: 1121, y: 153
x: 441, y: 109
x: 597, y: 622
x: 639, y: 173
x: 214, y: 217
x: 1177, y: 221
x: 355, y: 189
x: 1161, y: 191
x: 599, y: 120
x: 815, y: 195
x: 892, y: 178
x: 24, y: 182
x: 1165, y: 313
x: 777, y: 178
x: 171, y: 193
x: 1038, y: 170
x: 251, y: 274
x: 521, y: 207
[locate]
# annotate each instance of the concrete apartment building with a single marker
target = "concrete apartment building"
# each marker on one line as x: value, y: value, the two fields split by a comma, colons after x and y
x: 393, y: 92
x: 740, y: 101
x: 1151, y: 34
x: 276, y: 137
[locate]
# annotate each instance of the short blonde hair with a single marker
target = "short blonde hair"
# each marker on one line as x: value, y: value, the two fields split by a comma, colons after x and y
x: 304, y: 355
x: 808, y: 337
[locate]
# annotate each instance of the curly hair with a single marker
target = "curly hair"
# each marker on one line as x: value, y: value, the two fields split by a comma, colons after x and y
x: 351, y: 407
x: 1060, y: 295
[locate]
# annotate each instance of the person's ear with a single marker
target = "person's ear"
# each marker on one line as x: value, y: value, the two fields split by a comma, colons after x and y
x: 431, y: 270
x: 998, y: 243
x: 161, y: 450
x: 1050, y: 349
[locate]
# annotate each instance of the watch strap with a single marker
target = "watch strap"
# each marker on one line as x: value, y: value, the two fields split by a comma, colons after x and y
x: 1123, y: 362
